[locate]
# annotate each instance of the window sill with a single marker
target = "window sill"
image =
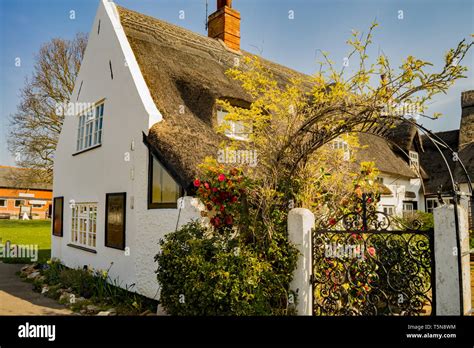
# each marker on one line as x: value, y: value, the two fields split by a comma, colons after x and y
x: 82, y: 248
x: 162, y: 205
x: 88, y: 149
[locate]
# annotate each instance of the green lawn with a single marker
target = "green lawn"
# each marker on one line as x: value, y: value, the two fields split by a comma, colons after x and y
x: 30, y: 232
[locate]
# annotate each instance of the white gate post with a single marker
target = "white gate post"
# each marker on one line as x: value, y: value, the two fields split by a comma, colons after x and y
x: 448, y: 289
x: 300, y: 224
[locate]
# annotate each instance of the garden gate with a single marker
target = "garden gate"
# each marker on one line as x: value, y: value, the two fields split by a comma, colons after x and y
x: 370, y: 263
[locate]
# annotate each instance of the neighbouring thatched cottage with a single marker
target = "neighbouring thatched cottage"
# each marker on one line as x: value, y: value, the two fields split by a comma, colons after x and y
x: 439, y: 183
x: 123, y: 164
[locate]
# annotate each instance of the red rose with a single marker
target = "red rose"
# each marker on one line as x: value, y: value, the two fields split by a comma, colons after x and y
x: 228, y: 220
x: 217, y: 222
x: 214, y: 189
x: 234, y: 199
x: 197, y: 183
x: 221, y: 177
x: 371, y: 251
x: 222, y: 208
x: 369, y: 200
x: 332, y: 222
x: 206, y: 185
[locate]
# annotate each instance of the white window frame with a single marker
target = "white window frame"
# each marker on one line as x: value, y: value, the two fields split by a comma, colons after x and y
x: 388, y: 209
x: 414, y: 160
x: 235, y: 129
x: 434, y: 204
x: 5, y: 204
x: 406, y: 211
x: 84, y: 224
x: 89, y: 130
x: 339, y: 144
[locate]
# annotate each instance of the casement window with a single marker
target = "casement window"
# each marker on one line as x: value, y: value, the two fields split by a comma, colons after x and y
x: 163, y: 190
x: 408, y: 208
x: 3, y: 202
x: 414, y: 161
x: 431, y: 203
x: 339, y: 144
x: 19, y: 202
x: 115, y: 214
x: 58, y: 209
x: 84, y: 224
x: 389, y: 210
x: 233, y: 129
x: 89, y: 132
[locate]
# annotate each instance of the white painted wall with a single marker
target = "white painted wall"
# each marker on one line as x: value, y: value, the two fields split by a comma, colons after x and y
x: 87, y: 177
x: 399, y: 186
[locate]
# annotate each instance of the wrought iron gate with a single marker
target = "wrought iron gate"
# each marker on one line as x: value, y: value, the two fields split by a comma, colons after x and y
x: 369, y: 263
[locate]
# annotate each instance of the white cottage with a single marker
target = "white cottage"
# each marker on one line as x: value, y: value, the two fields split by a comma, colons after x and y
x: 124, y: 162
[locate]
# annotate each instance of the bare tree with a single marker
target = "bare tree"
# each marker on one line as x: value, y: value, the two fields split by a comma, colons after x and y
x: 36, y: 125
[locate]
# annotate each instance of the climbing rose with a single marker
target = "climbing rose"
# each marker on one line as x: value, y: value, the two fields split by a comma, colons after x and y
x: 371, y: 251
x: 206, y: 185
x: 332, y: 222
x: 197, y: 182
x: 221, y: 177
x: 228, y: 220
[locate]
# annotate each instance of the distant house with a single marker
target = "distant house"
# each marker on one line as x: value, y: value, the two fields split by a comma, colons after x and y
x: 123, y: 166
x: 438, y: 185
x: 400, y: 171
x: 19, y: 196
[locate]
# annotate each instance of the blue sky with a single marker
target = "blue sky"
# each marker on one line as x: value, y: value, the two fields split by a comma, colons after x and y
x: 427, y: 30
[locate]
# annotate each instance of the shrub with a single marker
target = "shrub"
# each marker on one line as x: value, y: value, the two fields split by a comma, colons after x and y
x: 205, y: 273
x: 417, y: 220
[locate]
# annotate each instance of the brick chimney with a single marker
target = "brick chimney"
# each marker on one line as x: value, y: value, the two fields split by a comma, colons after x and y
x: 224, y: 24
x: 466, y: 131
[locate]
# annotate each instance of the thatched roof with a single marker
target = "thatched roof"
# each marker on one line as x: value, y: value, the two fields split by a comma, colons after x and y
x: 20, y: 178
x: 433, y: 162
x: 466, y: 154
x: 406, y: 136
x: 376, y: 149
x: 185, y: 72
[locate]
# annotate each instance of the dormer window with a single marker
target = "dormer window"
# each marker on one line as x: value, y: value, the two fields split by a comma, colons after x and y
x: 233, y: 129
x: 414, y: 161
x: 339, y: 144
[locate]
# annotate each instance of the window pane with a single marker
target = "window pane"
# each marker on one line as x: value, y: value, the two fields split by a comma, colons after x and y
x: 156, y: 193
x: 169, y: 188
x: 164, y: 189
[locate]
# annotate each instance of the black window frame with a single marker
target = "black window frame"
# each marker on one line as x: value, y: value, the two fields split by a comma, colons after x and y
x: 61, y: 198
x: 124, y: 220
x: 151, y: 204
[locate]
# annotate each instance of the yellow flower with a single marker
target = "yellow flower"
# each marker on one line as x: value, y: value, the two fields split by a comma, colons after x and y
x: 48, y: 262
x: 104, y: 274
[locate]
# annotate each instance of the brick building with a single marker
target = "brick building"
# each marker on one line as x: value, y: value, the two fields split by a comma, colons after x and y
x: 19, y: 196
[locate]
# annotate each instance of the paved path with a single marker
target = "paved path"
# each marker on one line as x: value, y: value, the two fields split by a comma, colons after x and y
x: 18, y: 298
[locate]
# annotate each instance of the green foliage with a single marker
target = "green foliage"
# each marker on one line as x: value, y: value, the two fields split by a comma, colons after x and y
x: 95, y: 285
x: 206, y: 273
x: 417, y: 220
